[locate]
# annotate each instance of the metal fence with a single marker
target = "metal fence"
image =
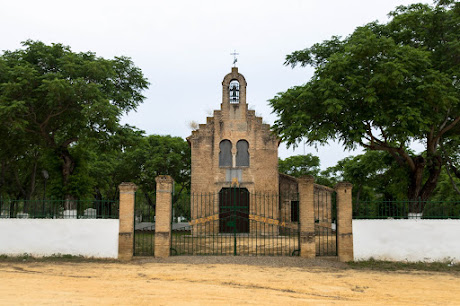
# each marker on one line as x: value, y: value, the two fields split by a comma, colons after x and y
x: 325, y: 208
x: 237, y: 222
x: 406, y: 209
x: 144, y: 225
x: 59, y: 209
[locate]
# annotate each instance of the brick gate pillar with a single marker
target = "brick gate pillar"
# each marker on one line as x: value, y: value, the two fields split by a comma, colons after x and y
x: 126, y: 217
x: 307, y: 217
x: 163, y: 215
x: 344, y: 221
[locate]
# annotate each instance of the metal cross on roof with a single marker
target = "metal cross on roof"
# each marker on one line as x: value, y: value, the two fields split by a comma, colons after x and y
x: 234, y: 57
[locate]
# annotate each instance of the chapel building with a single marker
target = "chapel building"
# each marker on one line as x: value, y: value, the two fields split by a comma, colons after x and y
x: 234, y: 156
x: 234, y: 146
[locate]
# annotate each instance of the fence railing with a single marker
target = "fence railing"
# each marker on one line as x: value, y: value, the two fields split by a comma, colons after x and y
x: 59, y: 209
x: 406, y: 209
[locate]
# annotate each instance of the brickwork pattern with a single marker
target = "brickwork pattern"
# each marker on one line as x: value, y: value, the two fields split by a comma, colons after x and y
x: 344, y: 221
x: 288, y: 191
x: 307, y: 217
x: 126, y: 230
x: 163, y: 215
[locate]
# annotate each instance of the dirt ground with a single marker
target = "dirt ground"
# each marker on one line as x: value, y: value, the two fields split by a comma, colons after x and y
x: 220, y: 280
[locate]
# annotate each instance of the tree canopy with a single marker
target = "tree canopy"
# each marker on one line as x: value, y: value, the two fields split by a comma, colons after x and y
x: 57, y: 99
x: 300, y: 165
x: 383, y: 87
x: 375, y: 175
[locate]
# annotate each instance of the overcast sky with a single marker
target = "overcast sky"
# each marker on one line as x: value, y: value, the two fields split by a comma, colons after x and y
x: 183, y: 48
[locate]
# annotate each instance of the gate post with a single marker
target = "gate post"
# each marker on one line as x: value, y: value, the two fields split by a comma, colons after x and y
x: 307, y: 217
x: 344, y: 221
x: 163, y: 215
x: 126, y: 225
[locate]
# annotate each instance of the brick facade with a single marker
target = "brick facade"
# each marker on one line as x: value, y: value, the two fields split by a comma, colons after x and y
x: 233, y: 122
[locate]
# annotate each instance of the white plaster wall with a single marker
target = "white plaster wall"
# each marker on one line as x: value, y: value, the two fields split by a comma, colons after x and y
x: 407, y: 240
x: 44, y: 237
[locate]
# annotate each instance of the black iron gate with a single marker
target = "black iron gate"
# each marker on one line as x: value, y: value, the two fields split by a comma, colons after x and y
x: 237, y: 222
x: 234, y: 210
x: 144, y: 224
x: 325, y: 221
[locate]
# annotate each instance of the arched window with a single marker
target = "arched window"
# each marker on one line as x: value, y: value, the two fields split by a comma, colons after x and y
x: 225, y: 154
x: 234, y: 92
x: 242, y: 153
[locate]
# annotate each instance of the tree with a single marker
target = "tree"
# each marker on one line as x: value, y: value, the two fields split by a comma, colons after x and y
x: 109, y: 162
x: 20, y: 159
x: 375, y: 175
x: 444, y: 191
x: 451, y: 156
x: 156, y: 155
x: 383, y: 87
x: 62, y: 98
x: 300, y: 165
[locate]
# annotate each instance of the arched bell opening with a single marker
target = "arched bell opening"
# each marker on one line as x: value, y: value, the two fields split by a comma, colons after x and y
x: 234, y: 92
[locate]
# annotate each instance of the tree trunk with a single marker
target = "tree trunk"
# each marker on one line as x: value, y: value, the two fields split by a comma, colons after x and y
x: 68, y: 165
x: 33, y: 176
x: 97, y: 194
x: 455, y: 171
x: 434, y: 169
x: 30, y: 190
x: 70, y: 202
x: 149, y: 201
x: 419, y: 192
x: 358, y: 194
x: 2, y: 173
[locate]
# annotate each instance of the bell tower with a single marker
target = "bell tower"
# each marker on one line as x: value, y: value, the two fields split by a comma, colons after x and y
x: 234, y: 95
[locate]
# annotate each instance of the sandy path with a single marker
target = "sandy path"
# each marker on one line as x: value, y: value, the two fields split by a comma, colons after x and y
x: 175, y: 283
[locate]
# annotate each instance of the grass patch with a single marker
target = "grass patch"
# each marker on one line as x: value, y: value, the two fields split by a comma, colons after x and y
x: 52, y: 258
x: 380, y: 265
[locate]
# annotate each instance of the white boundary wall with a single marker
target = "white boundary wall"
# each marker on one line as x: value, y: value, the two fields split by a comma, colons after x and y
x: 45, y: 237
x: 407, y: 240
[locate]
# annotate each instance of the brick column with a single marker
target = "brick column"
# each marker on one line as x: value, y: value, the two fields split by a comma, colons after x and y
x: 163, y: 215
x: 307, y: 217
x: 126, y: 227
x: 344, y: 221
